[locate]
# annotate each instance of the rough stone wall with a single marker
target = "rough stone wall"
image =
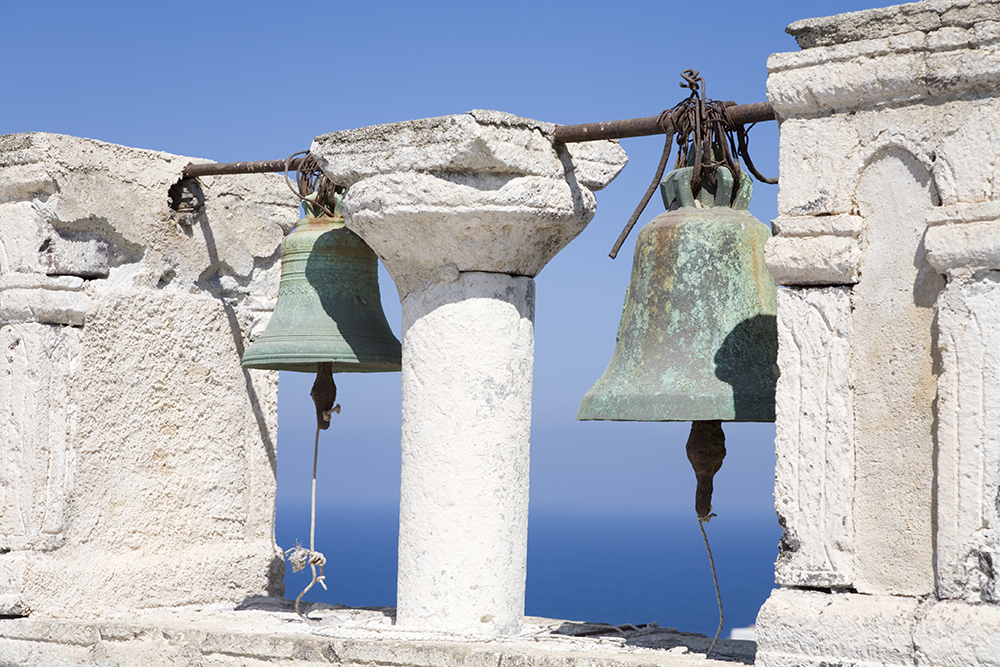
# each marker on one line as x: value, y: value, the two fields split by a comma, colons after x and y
x: 136, y: 456
x: 888, y: 246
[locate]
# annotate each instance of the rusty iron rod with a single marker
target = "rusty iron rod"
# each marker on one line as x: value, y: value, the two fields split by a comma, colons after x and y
x: 227, y: 168
x: 741, y: 114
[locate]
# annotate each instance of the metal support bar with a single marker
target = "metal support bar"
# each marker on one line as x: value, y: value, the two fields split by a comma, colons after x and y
x: 741, y: 114
x: 226, y: 168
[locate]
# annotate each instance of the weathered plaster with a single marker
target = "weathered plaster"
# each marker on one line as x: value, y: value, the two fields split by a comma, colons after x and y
x: 137, y: 456
x: 894, y: 382
x: 814, y: 473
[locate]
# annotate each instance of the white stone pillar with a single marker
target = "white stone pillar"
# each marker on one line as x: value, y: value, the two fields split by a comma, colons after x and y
x: 464, y: 488
x: 464, y: 210
x: 888, y: 245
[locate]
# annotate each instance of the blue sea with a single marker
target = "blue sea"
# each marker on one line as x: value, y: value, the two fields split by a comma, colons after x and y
x: 610, y: 566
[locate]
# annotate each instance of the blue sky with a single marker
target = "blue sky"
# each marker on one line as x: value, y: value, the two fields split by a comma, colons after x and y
x: 258, y: 80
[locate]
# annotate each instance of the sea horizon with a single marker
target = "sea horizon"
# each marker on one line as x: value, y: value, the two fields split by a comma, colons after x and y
x: 600, y: 564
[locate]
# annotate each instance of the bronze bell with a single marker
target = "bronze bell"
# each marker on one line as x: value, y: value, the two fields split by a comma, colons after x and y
x: 329, y: 308
x: 698, y: 337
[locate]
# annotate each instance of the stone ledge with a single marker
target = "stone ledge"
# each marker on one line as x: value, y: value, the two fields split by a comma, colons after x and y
x: 818, y: 225
x: 813, y: 629
x: 266, y: 631
x: 964, y: 212
x: 922, y: 16
x: 964, y: 238
x: 813, y: 260
x: 893, y: 56
x: 29, y: 297
x: 860, y: 78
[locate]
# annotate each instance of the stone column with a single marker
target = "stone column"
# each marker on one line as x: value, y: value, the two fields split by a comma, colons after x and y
x: 887, y: 243
x: 464, y: 210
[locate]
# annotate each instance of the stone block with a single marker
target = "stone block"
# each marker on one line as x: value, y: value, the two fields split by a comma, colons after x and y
x: 964, y: 248
x: 38, y: 298
x: 987, y: 32
x: 813, y: 629
x: 951, y: 633
x: 814, y: 477
x: 85, y: 256
x: 23, y: 230
x: 812, y: 158
x: 40, y: 364
x: 815, y: 260
x: 818, y: 225
x: 23, y: 182
x: 874, y: 23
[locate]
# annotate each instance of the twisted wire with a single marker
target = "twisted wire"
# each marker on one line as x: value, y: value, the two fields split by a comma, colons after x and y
x: 707, y: 139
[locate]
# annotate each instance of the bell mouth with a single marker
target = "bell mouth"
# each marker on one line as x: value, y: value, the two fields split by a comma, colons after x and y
x: 598, y: 404
x: 329, y: 308
x: 313, y: 366
x: 697, y: 340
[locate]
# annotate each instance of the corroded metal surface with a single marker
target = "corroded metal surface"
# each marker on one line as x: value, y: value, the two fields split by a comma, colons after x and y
x: 740, y: 114
x: 329, y: 307
x: 697, y: 339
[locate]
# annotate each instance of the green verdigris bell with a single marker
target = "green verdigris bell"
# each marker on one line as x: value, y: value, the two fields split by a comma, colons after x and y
x: 697, y: 339
x: 329, y: 308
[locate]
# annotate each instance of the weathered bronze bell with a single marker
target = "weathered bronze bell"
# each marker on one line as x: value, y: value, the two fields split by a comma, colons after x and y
x: 697, y: 339
x: 329, y: 308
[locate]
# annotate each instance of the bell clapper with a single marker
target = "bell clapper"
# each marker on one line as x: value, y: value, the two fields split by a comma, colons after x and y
x: 706, y: 449
x: 324, y: 394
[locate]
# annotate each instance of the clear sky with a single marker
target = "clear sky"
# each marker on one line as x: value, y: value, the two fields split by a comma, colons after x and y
x: 255, y: 80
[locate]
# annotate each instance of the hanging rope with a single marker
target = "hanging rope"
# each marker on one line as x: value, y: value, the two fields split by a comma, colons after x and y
x: 324, y: 395
x: 715, y: 580
x: 706, y: 450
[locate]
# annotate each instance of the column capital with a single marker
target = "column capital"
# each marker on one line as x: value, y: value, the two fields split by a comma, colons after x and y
x: 482, y: 191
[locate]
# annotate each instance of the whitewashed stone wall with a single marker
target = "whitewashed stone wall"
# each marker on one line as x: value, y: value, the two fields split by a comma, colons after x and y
x: 136, y: 456
x: 888, y: 247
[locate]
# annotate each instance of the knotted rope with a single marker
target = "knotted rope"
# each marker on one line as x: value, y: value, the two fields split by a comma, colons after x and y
x: 324, y: 395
